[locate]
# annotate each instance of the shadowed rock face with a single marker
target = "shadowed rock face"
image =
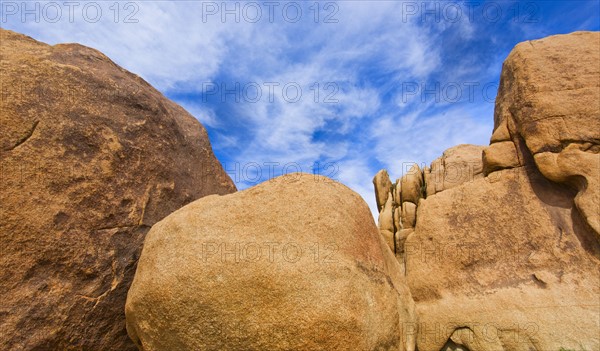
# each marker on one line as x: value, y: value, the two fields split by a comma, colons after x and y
x: 509, y: 259
x: 92, y: 156
x: 295, y: 263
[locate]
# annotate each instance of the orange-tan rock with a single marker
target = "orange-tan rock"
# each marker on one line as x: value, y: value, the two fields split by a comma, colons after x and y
x: 510, y: 261
x: 458, y: 164
x: 383, y: 185
x: 91, y: 157
x: 548, y: 96
x: 412, y: 185
x: 508, y: 258
x: 500, y: 155
x: 295, y: 263
x: 409, y: 215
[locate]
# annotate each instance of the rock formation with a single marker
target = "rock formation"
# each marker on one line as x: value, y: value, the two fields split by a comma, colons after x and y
x: 489, y: 248
x: 458, y: 165
x: 509, y: 259
x: 295, y: 263
x: 397, y: 218
x: 548, y: 99
x: 92, y: 156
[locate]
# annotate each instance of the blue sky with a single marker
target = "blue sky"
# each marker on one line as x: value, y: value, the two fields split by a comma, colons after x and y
x: 342, y: 88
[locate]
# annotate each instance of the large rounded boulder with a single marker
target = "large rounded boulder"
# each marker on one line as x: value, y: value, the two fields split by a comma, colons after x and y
x: 295, y: 263
x: 91, y: 156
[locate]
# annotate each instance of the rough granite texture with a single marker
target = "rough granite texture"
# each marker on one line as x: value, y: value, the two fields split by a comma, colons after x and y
x: 294, y: 263
x: 91, y: 157
x: 510, y: 258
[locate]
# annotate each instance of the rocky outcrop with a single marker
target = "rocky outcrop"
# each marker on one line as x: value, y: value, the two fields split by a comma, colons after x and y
x: 255, y: 270
x: 398, y: 215
x: 496, y: 248
x: 503, y: 257
x: 548, y: 100
x: 509, y: 260
x: 92, y: 157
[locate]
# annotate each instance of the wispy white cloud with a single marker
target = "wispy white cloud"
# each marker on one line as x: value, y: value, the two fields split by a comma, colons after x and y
x: 205, y: 115
x: 368, y: 50
x: 165, y: 42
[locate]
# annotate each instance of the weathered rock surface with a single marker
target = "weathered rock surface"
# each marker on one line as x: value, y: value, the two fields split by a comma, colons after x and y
x: 500, y: 155
x: 92, y: 156
x: 256, y: 270
x: 409, y: 215
x: 548, y: 98
x: 383, y: 185
x: 458, y: 165
x: 412, y: 185
x: 397, y: 186
x: 386, y: 216
x: 579, y: 167
x: 385, y: 222
x: 511, y: 261
x: 549, y: 88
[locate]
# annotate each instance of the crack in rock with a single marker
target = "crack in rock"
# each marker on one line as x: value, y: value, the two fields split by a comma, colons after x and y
x: 24, y: 138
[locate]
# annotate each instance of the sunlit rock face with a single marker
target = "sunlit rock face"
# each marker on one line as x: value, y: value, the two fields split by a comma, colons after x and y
x: 295, y: 263
x: 508, y: 257
x: 548, y: 98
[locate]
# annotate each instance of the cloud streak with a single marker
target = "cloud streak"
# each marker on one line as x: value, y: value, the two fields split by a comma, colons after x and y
x: 367, y: 71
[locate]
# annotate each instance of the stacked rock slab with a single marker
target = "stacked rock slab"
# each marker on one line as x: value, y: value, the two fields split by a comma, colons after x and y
x: 398, y: 215
x: 458, y: 165
x: 510, y: 261
x: 256, y: 270
x: 91, y: 157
